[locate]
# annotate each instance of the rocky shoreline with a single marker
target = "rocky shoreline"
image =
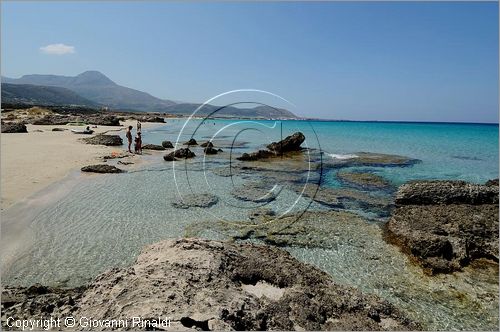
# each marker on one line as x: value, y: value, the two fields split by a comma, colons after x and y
x: 213, y: 285
x: 445, y: 225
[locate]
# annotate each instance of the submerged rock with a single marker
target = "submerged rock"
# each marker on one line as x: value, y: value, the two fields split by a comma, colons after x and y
x: 214, y: 285
x: 153, y: 147
x: 371, y: 159
x: 290, y: 143
x: 182, y: 153
x: 108, y: 140
x: 101, y: 168
x: 167, y: 145
x: 13, y: 127
x: 363, y: 180
x: 258, y: 192
x: 196, y: 200
x: 446, y: 225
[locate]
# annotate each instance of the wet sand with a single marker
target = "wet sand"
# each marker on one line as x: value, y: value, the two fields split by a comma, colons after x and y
x: 32, y: 161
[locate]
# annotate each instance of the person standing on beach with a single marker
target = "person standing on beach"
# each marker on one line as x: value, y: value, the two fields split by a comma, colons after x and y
x: 139, y: 126
x: 129, y: 138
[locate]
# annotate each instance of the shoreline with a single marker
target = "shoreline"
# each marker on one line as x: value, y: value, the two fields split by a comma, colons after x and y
x: 32, y: 161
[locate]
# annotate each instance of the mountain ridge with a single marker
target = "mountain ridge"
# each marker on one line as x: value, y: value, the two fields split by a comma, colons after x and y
x: 97, y: 88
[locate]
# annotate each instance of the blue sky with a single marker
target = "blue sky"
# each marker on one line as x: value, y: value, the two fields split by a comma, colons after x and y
x: 358, y: 61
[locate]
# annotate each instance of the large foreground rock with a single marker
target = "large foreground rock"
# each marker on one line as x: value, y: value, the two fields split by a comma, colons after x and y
x: 445, y: 225
x: 109, y: 140
x: 211, y: 285
x: 13, y: 127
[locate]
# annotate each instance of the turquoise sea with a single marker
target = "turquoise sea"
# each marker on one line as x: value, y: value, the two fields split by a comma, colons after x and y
x: 90, y: 223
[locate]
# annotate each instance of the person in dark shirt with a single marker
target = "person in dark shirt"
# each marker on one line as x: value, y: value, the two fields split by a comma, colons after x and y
x: 129, y: 138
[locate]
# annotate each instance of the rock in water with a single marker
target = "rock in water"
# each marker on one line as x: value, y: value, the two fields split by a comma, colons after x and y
x: 196, y: 200
x: 167, y: 145
x: 109, y: 140
x: 290, y: 143
x: 207, y: 144
x: 183, y: 153
x: 445, y: 192
x: 363, y: 180
x: 169, y: 157
x: 446, y: 224
x: 261, y: 154
x: 191, y: 141
x: 153, y: 147
x: 101, y: 168
x: 14, y: 127
x: 210, y: 150
x: 212, y: 285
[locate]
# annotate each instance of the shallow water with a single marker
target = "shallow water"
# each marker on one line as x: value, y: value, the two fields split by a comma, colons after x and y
x: 103, y: 221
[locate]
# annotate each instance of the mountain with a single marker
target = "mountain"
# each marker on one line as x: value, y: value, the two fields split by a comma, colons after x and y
x: 264, y: 112
x: 42, y: 95
x: 95, y: 86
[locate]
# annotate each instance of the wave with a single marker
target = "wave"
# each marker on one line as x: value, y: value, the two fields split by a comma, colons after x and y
x: 342, y: 156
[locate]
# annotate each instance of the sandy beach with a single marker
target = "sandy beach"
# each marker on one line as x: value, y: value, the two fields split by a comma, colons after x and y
x: 31, y: 161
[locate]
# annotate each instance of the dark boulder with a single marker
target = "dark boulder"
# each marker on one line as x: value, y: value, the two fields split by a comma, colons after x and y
x: 102, y: 120
x: 207, y: 144
x: 182, y: 153
x: 492, y: 183
x: 446, y: 225
x: 152, y: 119
x: 290, y: 143
x: 153, y: 147
x: 191, y: 141
x: 261, y: 154
x: 59, y: 129
x: 101, y: 168
x: 167, y: 145
x: 195, y: 200
x: 14, y: 127
x: 169, y: 157
x: 210, y: 150
x: 108, y: 140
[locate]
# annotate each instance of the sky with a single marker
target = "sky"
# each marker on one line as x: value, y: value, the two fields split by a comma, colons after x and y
x: 415, y: 61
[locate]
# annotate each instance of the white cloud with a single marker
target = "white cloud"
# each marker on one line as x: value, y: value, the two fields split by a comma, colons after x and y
x: 57, y: 49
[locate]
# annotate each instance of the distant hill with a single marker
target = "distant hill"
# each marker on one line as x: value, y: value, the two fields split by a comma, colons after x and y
x: 42, y: 95
x: 97, y: 88
x: 264, y: 112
